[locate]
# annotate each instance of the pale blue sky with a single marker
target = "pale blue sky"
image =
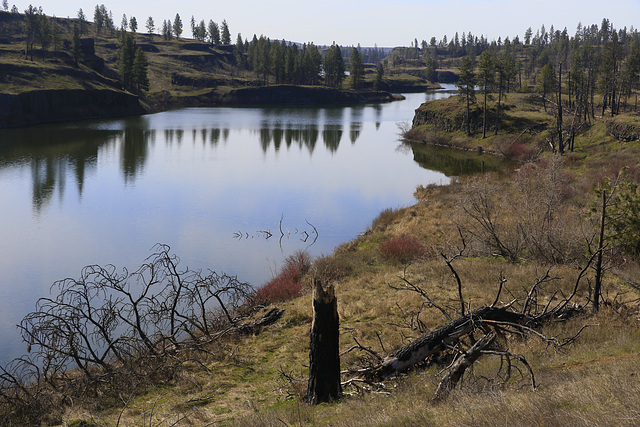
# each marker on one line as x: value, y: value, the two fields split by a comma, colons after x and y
x: 387, y: 23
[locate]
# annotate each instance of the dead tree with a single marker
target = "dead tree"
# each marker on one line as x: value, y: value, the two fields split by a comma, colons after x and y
x: 455, y: 340
x: 324, y: 357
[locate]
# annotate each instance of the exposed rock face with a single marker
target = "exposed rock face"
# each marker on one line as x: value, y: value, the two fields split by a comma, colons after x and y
x: 623, y: 131
x: 44, y: 106
x: 447, y: 120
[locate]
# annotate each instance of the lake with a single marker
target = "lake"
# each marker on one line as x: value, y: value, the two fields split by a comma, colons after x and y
x: 212, y: 183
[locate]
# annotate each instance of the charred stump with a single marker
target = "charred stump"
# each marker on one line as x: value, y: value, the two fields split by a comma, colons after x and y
x: 324, y: 356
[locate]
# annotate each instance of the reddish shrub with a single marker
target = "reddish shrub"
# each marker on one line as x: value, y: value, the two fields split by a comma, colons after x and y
x: 520, y: 152
x: 287, y: 284
x: 402, y: 249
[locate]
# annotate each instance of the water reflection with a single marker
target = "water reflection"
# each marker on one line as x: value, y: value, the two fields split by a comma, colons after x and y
x: 53, y: 154
x: 453, y: 162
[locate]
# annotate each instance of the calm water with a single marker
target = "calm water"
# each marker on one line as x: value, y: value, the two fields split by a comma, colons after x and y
x: 206, y: 181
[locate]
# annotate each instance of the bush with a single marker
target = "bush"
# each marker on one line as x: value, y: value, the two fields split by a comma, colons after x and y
x: 287, y: 285
x: 403, y: 249
x: 520, y: 152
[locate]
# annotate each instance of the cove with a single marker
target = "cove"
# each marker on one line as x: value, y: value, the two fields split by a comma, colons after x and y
x: 212, y: 183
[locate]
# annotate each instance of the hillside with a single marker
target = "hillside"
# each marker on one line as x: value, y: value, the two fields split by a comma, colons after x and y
x: 181, y: 72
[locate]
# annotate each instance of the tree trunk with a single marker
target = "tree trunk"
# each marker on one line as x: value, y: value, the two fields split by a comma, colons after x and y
x: 597, y: 289
x: 324, y: 356
x: 465, y: 360
x: 435, y: 341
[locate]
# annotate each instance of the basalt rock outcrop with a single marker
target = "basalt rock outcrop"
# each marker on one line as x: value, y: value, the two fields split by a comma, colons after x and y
x: 46, y: 106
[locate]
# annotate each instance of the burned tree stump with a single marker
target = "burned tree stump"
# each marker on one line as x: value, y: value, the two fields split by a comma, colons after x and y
x: 324, y: 356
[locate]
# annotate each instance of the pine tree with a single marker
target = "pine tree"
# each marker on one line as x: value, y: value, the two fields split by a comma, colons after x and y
x: 98, y: 19
x: 151, y: 27
x: 357, y: 69
x: 214, y: 33
x: 487, y: 73
x: 333, y: 66
x: 379, y: 75
x: 226, y: 35
x: 5, y: 5
x: 466, y: 87
x: 546, y: 83
x: 77, y: 51
x: 82, y: 20
x: 177, y: 26
x: 140, y: 70
x: 133, y: 24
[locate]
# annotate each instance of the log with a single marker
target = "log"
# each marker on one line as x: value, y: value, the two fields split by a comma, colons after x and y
x: 324, y: 357
x: 436, y: 341
x: 461, y: 364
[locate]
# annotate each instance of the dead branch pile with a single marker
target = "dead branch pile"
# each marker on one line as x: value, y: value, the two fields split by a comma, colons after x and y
x: 112, y: 332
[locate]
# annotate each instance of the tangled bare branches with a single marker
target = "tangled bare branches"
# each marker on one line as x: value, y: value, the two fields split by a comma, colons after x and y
x: 469, y: 334
x: 111, y: 330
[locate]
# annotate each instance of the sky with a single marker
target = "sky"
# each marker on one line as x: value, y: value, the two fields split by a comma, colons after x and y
x: 349, y: 22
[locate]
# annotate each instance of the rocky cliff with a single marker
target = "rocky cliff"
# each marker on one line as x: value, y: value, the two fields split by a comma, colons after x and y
x: 45, y: 106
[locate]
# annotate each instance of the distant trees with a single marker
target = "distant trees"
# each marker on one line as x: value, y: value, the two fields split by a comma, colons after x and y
x: 333, y: 67
x: 225, y: 37
x: 5, y: 5
x: 132, y: 65
x: 377, y: 84
x: 167, y: 29
x: 466, y: 88
x: 151, y: 26
x: 546, y: 83
x: 214, y: 33
x: 102, y: 19
x: 177, y: 26
x: 356, y: 69
x: 133, y: 24
x: 486, y: 74
x: 82, y: 22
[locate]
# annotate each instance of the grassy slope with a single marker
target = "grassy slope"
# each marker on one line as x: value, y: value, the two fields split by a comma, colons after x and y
x: 259, y: 380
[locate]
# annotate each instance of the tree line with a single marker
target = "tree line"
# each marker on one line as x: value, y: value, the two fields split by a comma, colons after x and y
x: 594, y: 73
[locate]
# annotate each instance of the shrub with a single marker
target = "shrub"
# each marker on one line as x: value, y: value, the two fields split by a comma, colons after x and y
x: 520, y: 152
x: 403, y: 249
x: 386, y: 218
x: 287, y: 285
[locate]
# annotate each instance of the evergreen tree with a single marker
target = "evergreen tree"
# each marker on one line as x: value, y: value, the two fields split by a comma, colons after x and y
x: 5, y: 5
x: 75, y: 44
x: 126, y: 56
x: 379, y: 75
x: 466, y: 87
x: 357, y: 69
x: 98, y: 19
x: 140, y: 70
x: 55, y: 33
x: 82, y: 21
x: 214, y: 33
x: 31, y: 29
x: 546, y: 83
x: 133, y: 24
x: 201, y: 31
x: 124, y: 24
x: 226, y: 35
x: 333, y: 66
x: 177, y: 26
x: 193, y: 27
x: 151, y: 26
x: 486, y: 75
